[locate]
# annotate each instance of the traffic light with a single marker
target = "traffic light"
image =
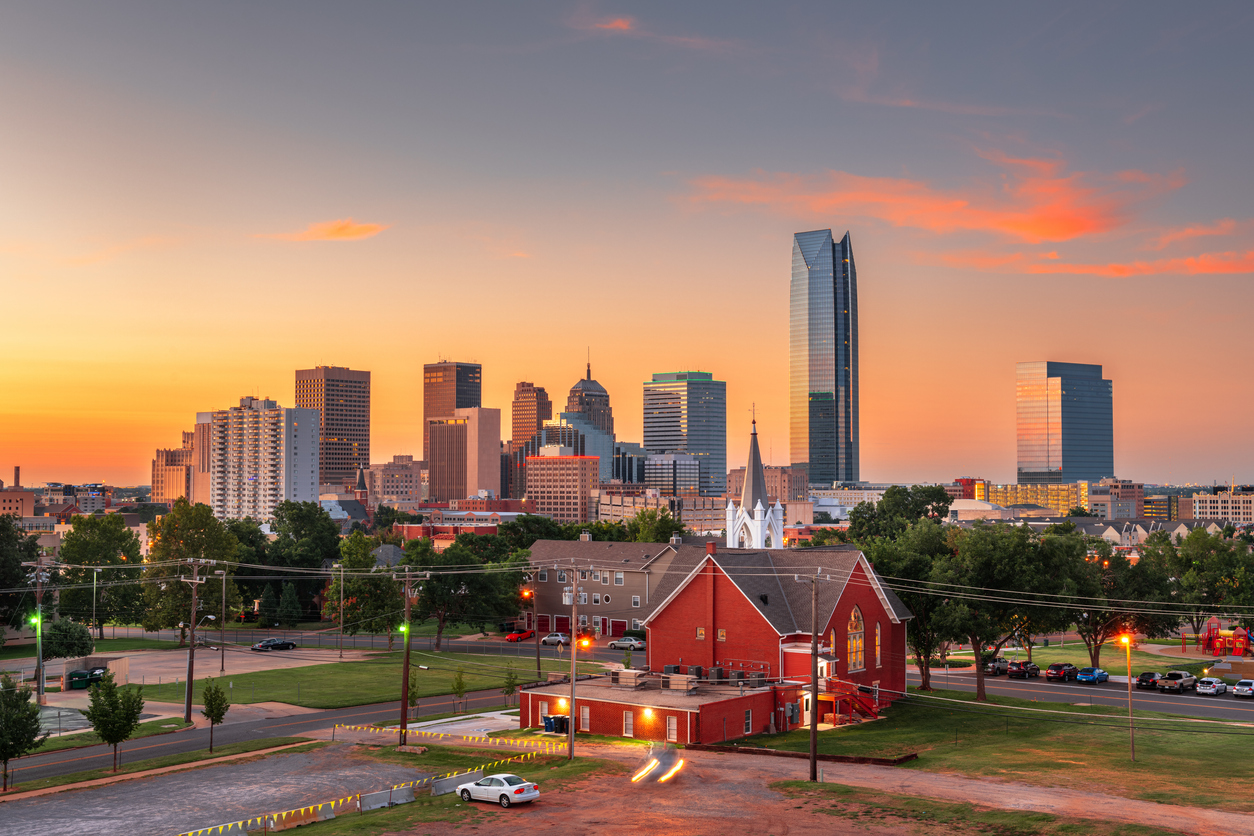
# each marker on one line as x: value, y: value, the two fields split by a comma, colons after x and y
x: 34, y: 619
x: 526, y: 593
x: 404, y: 628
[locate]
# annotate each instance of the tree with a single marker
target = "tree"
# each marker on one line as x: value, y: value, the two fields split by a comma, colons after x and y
x: 146, y: 512
x: 103, y: 541
x: 653, y: 526
x: 827, y: 537
x: 67, y: 640
x: 289, y: 607
x: 113, y: 712
x: 372, y: 598
x: 1209, y: 573
x: 459, y: 686
x: 1080, y: 511
x: 463, y: 589
x: 899, y: 507
x: 251, y: 553
x: 16, y: 548
x: 188, y: 533
x: 510, y: 686
x: 268, y: 609
x: 307, y: 536
x: 385, y: 516
x: 19, y: 724
x: 216, y: 705
x: 821, y: 517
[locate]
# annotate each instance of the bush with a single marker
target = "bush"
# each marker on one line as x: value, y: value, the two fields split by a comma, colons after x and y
x: 953, y: 663
x: 634, y: 634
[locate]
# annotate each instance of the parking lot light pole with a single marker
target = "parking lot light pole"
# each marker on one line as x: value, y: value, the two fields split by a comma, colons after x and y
x: 340, y: 566
x: 1127, y: 644
x: 222, y: 623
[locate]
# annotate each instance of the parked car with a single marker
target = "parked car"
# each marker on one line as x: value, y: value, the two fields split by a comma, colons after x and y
x: 1148, y: 679
x: 520, y: 635
x: 503, y: 789
x: 996, y: 667
x: 274, y: 644
x: 630, y: 643
x: 1023, y: 670
x: 1211, y: 686
x: 1178, y: 681
x: 1062, y: 670
x: 1093, y: 676
x: 556, y: 638
x: 1244, y: 688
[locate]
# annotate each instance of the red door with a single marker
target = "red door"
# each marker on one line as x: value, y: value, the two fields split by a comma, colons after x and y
x: 543, y: 621
x: 617, y: 628
x: 563, y: 624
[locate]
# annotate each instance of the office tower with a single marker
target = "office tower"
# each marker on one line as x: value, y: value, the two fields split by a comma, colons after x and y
x: 399, y: 480
x: 531, y: 408
x: 342, y: 398
x: 590, y: 398
x: 447, y: 386
x: 560, y: 484
x: 1065, y: 423
x: 592, y: 440
x: 261, y: 454
x: 464, y: 454
x: 673, y: 474
x: 629, y: 459
x: 686, y: 412
x: 172, y: 472
x: 823, y: 358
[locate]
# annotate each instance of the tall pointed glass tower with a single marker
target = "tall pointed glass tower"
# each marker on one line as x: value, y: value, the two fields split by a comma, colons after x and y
x: 823, y: 358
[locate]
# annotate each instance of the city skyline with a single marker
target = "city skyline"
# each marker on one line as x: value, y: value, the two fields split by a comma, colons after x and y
x: 1020, y: 185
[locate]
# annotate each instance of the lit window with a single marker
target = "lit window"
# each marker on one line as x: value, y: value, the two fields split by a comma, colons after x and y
x: 877, y: 644
x: 701, y: 633
x: 722, y: 635
x: 855, y: 655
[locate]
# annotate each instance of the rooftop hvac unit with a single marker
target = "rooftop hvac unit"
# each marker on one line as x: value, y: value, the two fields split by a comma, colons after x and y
x: 696, y: 671
x: 670, y: 669
x: 737, y: 676
x: 757, y: 680
x: 718, y: 675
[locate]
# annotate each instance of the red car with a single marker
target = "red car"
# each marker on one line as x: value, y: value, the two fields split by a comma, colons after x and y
x: 520, y: 635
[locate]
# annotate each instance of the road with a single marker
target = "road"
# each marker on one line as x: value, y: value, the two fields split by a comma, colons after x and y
x: 65, y: 762
x: 1111, y: 693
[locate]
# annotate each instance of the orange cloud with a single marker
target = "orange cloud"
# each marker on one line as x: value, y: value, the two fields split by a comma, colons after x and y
x: 342, y: 230
x: 1227, y: 226
x: 629, y: 26
x: 1035, y: 201
x: 622, y: 24
x: 1207, y: 263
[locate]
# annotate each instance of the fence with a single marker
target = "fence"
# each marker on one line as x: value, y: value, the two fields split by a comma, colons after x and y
x: 543, y: 747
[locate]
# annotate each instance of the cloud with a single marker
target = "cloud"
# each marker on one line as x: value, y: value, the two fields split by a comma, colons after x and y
x: 1226, y: 226
x: 623, y: 24
x: 630, y: 27
x: 345, y: 229
x: 1035, y: 199
x: 1206, y: 264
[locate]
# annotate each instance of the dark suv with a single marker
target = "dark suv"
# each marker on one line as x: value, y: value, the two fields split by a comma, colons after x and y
x: 1149, y: 679
x: 1023, y: 670
x: 1062, y: 670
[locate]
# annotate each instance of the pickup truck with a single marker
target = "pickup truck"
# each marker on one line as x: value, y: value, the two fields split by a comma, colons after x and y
x: 996, y: 667
x: 1178, y: 681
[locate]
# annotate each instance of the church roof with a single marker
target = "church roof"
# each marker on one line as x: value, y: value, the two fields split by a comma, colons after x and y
x: 755, y: 477
x: 361, y: 479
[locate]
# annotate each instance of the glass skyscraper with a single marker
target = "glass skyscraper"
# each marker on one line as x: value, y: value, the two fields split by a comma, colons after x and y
x: 686, y: 412
x: 823, y: 358
x: 1064, y: 423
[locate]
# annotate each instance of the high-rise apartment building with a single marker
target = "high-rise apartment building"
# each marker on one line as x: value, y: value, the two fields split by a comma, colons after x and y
x: 261, y: 454
x: 342, y: 398
x: 172, y: 472
x: 1064, y: 423
x: 464, y: 454
x: 590, y: 398
x: 823, y: 358
x: 560, y: 484
x: 447, y: 386
x: 686, y: 412
x: 531, y: 408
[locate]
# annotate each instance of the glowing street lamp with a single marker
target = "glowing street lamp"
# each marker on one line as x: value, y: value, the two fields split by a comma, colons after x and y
x: 1127, y: 644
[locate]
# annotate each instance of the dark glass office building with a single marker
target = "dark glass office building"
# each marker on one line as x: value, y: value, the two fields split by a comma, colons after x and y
x: 447, y: 386
x: 686, y: 412
x: 1065, y: 423
x: 823, y: 358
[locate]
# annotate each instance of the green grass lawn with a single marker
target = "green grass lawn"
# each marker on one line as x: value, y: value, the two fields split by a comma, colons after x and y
x: 155, y: 763
x: 1176, y: 762
x: 904, y: 813
x: 342, y: 684
x: 90, y: 738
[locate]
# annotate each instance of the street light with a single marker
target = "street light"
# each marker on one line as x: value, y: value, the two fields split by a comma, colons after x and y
x: 1127, y: 644
x: 95, y: 573
x: 222, y: 623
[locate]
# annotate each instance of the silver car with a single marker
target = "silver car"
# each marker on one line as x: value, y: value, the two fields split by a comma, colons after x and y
x: 1211, y: 686
x: 627, y: 644
x: 1244, y: 688
x: 503, y: 789
x: 556, y: 638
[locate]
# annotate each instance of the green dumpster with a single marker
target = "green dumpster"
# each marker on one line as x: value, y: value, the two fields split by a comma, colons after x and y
x: 79, y: 680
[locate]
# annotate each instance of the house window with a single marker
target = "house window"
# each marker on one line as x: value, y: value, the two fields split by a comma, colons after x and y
x: 629, y: 722
x: 561, y: 576
x: 544, y: 710
x: 635, y: 600
x: 877, y: 644
x: 583, y: 597
x: 748, y: 721
x: 855, y: 655
x: 722, y: 635
x: 583, y: 574
x: 618, y: 579
x: 605, y: 578
x: 596, y: 599
x: 596, y: 576
x: 585, y: 718
x: 701, y: 633
x: 672, y: 729
x: 606, y: 599
x: 544, y: 576
x: 583, y: 621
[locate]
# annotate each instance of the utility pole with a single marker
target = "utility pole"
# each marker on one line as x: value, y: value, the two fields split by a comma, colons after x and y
x: 405, y: 658
x: 222, y: 623
x: 575, y: 589
x: 535, y: 623
x: 814, y: 667
x: 340, y: 566
x: 95, y: 573
x: 40, y: 577
x: 191, y: 643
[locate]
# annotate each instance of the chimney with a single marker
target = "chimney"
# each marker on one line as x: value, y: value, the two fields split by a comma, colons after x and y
x: 677, y: 540
x: 710, y: 546
x: 17, y: 476
x: 585, y: 537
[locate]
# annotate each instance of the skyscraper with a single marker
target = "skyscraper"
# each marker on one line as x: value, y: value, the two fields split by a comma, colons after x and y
x: 172, y: 472
x: 531, y: 408
x: 447, y: 386
x: 464, y: 456
x: 1064, y: 423
x: 342, y: 398
x: 823, y: 358
x: 590, y: 398
x: 261, y: 454
x: 686, y: 412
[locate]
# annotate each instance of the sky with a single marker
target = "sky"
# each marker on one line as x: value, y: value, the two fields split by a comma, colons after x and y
x: 196, y: 199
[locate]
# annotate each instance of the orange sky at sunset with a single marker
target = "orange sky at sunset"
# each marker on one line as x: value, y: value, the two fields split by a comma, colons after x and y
x: 182, y: 226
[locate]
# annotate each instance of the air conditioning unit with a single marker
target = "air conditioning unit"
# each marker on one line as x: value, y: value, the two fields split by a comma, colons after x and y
x: 737, y: 676
x: 670, y: 669
x: 626, y: 678
x: 696, y: 671
x: 718, y: 675
x: 757, y: 680
x: 678, y: 682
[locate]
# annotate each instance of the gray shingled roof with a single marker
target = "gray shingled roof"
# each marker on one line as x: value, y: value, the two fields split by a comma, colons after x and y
x: 755, y: 477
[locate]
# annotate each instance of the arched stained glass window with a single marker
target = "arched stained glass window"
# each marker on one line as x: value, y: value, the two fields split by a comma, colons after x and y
x: 878, y: 644
x: 855, y: 658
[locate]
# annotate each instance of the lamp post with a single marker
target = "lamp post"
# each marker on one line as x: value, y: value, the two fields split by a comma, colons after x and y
x: 95, y: 572
x: 1127, y: 644
x: 340, y: 566
x: 222, y: 623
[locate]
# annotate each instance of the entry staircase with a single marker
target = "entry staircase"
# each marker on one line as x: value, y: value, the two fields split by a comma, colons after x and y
x: 859, y: 703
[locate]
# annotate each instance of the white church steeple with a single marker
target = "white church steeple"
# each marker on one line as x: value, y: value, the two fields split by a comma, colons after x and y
x: 750, y: 525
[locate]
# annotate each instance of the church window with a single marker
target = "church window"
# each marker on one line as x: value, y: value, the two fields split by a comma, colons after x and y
x: 855, y: 654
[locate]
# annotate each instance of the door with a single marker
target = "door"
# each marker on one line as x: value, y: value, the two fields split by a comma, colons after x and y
x: 617, y: 627
x: 563, y: 624
x: 805, y: 711
x: 543, y: 621
x: 672, y: 729
x: 585, y: 718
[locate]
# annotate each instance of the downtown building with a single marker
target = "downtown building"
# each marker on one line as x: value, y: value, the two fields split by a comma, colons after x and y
x: 823, y: 358
x: 1064, y: 423
x: 342, y: 398
x: 463, y: 454
x: 449, y: 386
x: 686, y: 413
x: 172, y: 472
x: 260, y: 454
x: 560, y: 484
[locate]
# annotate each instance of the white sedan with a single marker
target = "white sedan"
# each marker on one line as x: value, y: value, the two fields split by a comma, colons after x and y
x: 1211, y: 685
x: 503, y: 789
x: 1244, y: 688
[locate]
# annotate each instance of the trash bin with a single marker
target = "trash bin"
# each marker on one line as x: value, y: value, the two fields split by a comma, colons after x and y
x: 559, y: 723
x: 79, y: 680
x: 548, y: 722
x: 1047, y: 642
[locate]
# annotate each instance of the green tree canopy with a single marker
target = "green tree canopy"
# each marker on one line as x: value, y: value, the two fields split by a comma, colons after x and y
x: 188, y: 533
x: 216, y: 704
x: 307, y: 536
x: 251, y: 553
x: 16, y: 548
x: 268, y: 609
x: 103, y: 541
x: 65, y: 639
x: 114, y: 712
x: 462, y: 588
x: 19, y: 724
x: 653, y: 526
x: 289, y: 607
x: 899, y: 507
x: 372, y: 598
x: 1209, y: 573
